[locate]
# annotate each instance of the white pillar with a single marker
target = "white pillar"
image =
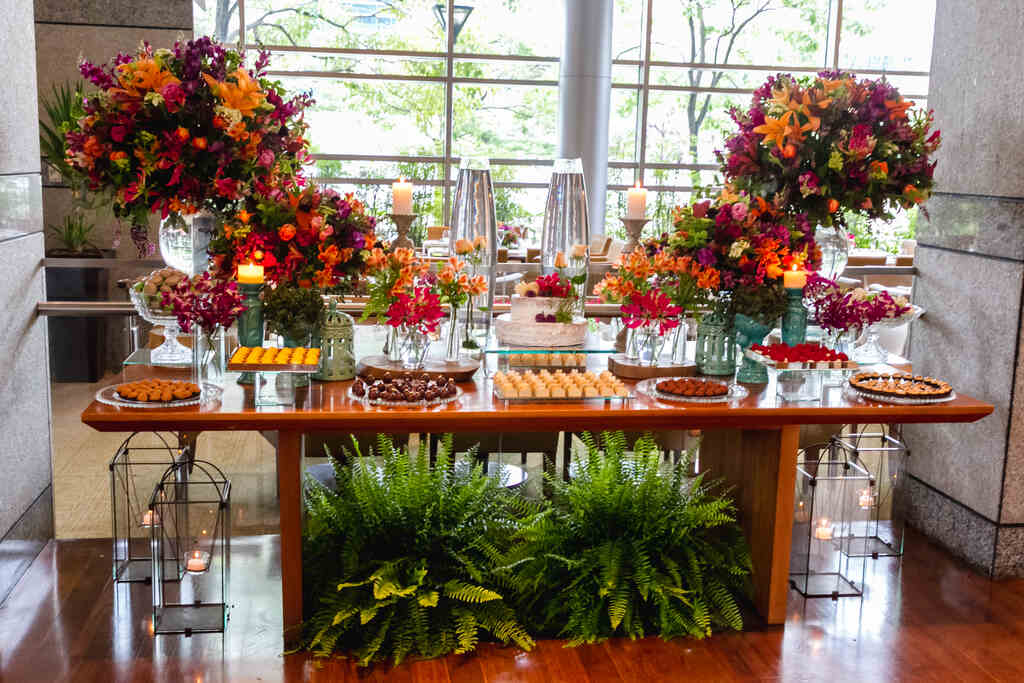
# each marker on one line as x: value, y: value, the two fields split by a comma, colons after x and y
x: 584, y: 97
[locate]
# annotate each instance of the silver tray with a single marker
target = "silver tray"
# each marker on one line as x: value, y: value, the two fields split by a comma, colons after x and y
x: 108, y: 396
x: 649, y: 387
x: 405, y: 404
x: 898, y: 400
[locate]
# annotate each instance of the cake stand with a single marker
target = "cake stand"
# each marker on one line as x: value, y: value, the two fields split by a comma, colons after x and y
x: 171, y: 351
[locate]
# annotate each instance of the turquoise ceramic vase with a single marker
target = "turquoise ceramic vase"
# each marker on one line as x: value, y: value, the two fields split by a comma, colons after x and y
x: 794, y: 321
x: 748, y: 332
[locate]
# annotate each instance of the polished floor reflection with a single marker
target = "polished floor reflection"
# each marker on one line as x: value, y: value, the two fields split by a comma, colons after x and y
x: 930, y: 620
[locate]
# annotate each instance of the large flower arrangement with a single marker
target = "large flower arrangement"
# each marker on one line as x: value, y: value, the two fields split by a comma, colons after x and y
x: 309, y: 236
x: 818, y: 146
x: 737, y: 244
x: 181, y: 130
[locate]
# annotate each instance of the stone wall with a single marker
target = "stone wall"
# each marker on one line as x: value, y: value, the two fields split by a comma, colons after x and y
x: 968, y: 489
x: 26, y: 507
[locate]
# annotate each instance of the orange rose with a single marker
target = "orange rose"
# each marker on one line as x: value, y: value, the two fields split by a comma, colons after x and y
x: 286, y: 232
x: 463, y: 246
x: 480, y: 242
x: 560, y: 261
x: 182, y: 133
x: 199, y: 143
x: 833, y: 205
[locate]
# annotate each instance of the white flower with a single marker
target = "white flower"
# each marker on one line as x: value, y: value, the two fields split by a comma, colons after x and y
x: 738, y: 247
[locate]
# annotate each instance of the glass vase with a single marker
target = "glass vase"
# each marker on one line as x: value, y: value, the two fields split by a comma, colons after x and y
x: 300, y: 379
x: 835, y: 250
x: 650, y: 343
x: 751, y: 331
x: 632, y: 351
x: 210, y: 360
x: 473, y: 217
x: 565, y: 236
x: 391, y: 349
x: 413, y: 345
x: 453, y: 342
x: 184, y: 241
x: 679, y: 342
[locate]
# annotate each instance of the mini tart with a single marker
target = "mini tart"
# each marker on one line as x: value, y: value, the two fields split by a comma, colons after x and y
x: 696, y: 388
x: 900, y: 385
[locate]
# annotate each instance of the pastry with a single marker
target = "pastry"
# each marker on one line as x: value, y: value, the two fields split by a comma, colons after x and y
x: 900, y: 385
x: 157, y: 390
x: 692, y: 388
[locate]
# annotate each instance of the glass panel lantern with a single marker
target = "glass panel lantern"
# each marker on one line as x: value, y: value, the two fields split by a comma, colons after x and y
x: 193, y: 543
x: 884, y: 456
x: 135, y: 472
x: 826, y: 513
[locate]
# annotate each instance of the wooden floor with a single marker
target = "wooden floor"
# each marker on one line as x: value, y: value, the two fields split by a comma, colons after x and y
x: 931, y: 620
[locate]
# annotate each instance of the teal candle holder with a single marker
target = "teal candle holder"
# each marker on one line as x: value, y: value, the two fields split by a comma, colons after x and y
x: 250, y: 323
x: 748, y: 332
x: 794, y: 321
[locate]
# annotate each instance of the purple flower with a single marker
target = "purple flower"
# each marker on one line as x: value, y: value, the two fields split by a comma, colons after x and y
x: 705, y: 256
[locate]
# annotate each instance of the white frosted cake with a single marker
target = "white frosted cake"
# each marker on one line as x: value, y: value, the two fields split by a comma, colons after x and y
x: 520, y: 327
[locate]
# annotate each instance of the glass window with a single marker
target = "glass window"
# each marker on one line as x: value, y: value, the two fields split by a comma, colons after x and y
x: 519, y: 27
x: 504, y: 121
x: 887, y: 35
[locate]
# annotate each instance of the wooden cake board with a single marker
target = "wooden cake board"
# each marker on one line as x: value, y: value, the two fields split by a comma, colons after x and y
x: 376, y: 367
x: 624, y: 368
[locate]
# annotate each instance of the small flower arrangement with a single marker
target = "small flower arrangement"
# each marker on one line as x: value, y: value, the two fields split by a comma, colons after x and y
x: 204, y: 302
x: 649, y: 310
x: 308, y: 236
x: 389, y: 274
x: 831, y: 143
x: 420, y: 311
x: 181, y: 130
x: 473, y: 250
x: 510, y: 235
x: 293, y: 311
x: 553, y: 286
x: 840, y: 311
x: 455, y: 286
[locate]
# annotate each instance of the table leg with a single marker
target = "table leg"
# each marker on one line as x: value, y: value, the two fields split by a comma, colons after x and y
x: 289, y: 483
x: 760, y: 466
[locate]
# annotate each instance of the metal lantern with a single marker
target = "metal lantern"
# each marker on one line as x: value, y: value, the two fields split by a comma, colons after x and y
x: 824, y: 558
x: 337, y: 350
x: 135, y: 471
x: 884, y: 455
x: 191, y: 549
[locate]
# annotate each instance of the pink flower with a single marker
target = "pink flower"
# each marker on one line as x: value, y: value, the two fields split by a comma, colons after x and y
x: 118, y: 133
x: 266, y: 158
x: 739, y: 211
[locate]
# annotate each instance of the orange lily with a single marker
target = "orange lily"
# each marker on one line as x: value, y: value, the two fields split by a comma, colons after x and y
x: 244, y: 94
x: 898, y: 108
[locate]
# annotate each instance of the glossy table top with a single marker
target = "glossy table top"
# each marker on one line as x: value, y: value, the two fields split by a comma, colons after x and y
x: 327, y: 406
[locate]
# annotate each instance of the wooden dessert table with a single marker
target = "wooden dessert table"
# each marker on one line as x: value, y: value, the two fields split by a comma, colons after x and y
x: 750, y: 442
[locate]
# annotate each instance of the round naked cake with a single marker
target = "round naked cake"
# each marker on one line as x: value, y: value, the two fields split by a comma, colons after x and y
x: 531, y: 322
x: 900, y: 385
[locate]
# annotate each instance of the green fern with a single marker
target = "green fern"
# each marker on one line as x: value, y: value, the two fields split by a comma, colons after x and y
x: 401, y: 560
x: 628, y: 549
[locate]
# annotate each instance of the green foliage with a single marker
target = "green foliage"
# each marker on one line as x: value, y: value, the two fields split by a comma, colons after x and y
x: 400, y: 559
x: 63, y: 107
x: 293, y: 311
x: 628, y: 550
x: 764, y: 304
x: 74, y: 232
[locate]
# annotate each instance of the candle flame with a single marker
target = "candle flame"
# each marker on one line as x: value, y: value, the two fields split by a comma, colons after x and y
x: 195, y: 554
x: 637, y: 186
x: 823, y: 522
x: 401, y: 178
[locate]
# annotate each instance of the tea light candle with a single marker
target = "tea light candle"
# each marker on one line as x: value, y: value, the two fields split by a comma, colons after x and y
x: 865, y: 499
x: 794, y: 279
x: 802, y: 515
x: 636, y: 202
x: 401, y: 197
x: 250, y: 274
x: 823, y: 532
x: 198, y: 562
x: 150, y: 519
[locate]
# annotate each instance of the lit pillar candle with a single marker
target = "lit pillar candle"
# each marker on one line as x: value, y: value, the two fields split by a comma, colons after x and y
x: 198, y: 561
x: 823, y: 532
x: 401, y: 197
x: 636, y: 202
x: 794, y: 279
x: 866, y: 500
x: 250, y: 274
